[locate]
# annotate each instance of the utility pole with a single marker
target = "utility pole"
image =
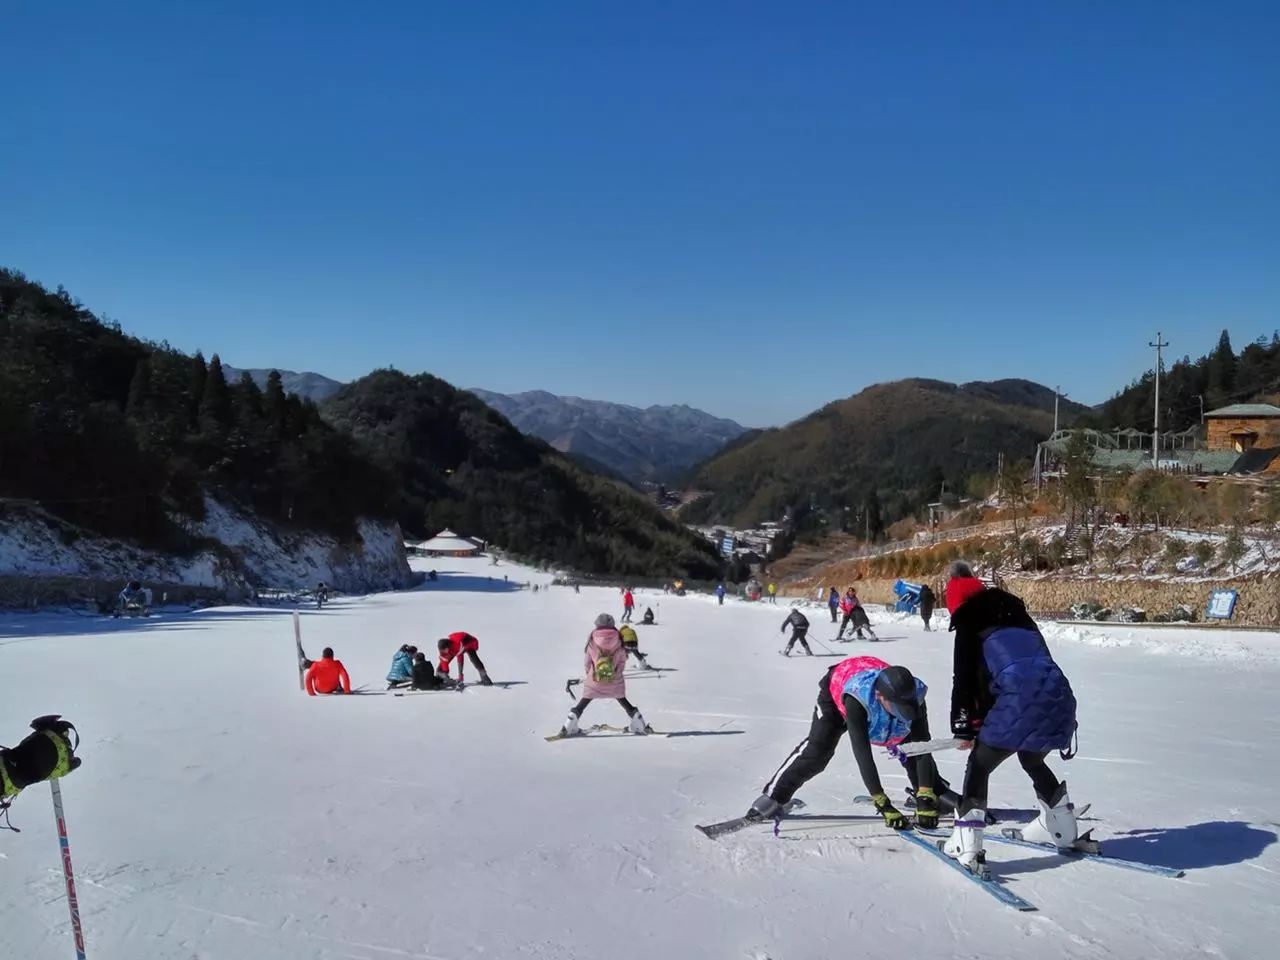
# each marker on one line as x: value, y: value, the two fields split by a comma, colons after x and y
x: 1155, y: 445
x: 1200, y: 397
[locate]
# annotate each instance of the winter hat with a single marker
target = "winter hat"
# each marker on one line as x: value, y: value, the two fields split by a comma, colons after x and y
x: 960, y: 589
x: 604, y: 620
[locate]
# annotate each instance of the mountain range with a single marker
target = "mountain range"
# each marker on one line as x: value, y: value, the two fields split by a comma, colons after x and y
x: 657, y: 443
x: 888, y: 450
x: 311, y: 386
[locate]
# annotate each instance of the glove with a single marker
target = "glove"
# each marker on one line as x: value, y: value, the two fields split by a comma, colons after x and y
x: 964, y: 726
x: 892, y: 818
x: 926, y: 809
x: 44, y: 755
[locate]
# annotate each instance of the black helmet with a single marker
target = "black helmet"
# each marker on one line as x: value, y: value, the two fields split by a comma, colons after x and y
x: 135, y: 585
x: 898, y: 687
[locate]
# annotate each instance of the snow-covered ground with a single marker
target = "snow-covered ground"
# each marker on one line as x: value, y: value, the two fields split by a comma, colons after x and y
x: 220, y: 813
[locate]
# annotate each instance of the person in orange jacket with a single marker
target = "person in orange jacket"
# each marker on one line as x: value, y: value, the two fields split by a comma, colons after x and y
x: 453, y: 647
x: 327, y: 675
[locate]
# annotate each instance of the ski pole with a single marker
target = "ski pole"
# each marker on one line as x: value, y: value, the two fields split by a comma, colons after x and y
x: 67, y: 874
x: 823, y: 646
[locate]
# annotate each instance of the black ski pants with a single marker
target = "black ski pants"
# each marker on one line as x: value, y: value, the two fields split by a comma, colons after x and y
x: 585, y: 702
x: 983, y: 761
x: 798, y: 636
x: 633, y: 651
x: 835, y: 611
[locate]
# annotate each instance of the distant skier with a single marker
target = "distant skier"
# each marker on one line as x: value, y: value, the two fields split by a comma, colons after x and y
x: 327, y: 675
x: 628, y: 605
x: 604, y: 660
x: 927, y: 602
x: 833, y: 601
x: 401, y: 671
x: 876, y: 705
x: 453, y: 647
x: 720, y: 593
x: 132, y: 599
x: 322, y: 594
x: 631, y: 644
x: 773, y: 593
x: 648, y: 618
x: 1008, y: 696
x: 426, y: 677
x: 799, y: 625
x: 854, y: 614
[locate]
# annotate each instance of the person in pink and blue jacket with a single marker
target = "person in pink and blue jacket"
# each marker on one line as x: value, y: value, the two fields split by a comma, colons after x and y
x: 876, y: 705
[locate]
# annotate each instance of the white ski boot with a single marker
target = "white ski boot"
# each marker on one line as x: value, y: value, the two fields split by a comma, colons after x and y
x: 765, y: 808
x: 570, y: 728
x: 1056, y: 824
x: 638, y: 725
x: 965, y: 842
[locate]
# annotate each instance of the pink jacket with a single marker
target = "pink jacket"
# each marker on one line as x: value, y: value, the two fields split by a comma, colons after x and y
x: 845, y: 669
x: 604, y: 643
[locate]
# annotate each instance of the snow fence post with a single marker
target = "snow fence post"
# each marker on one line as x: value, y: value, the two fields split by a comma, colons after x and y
x: 72, y: 903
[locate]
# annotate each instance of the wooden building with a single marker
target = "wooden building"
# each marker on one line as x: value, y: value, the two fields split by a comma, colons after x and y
x: 1243, y: 426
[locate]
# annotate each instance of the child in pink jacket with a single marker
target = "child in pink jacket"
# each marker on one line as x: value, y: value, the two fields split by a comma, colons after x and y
x: 604, y: 659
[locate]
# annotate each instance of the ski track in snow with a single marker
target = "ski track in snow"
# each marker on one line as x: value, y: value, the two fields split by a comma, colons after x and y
x: 230, y: 816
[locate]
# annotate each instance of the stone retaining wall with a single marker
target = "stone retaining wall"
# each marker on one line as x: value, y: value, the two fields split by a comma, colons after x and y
x: 58, y: 591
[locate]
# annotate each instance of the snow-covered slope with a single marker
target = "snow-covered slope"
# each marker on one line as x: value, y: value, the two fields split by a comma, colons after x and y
x: 230, y: 816
x: 251, y: 554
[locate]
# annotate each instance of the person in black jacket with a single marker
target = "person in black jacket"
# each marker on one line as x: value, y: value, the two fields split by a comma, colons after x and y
x: 927, y: 601
x: 425, y: 676
x: 799, y: 624
x: 1008, y: 696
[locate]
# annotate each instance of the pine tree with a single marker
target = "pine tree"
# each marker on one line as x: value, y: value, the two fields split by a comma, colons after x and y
x: 1222, y: 372
x: 875, y: 522
x: 274, y: 405
x: 195, y: 389
x: 215, y: 404
x: 139, y: 389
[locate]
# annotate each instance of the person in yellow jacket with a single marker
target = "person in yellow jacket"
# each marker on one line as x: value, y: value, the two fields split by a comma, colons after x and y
x: 773, y: 593
x: 631, y: 644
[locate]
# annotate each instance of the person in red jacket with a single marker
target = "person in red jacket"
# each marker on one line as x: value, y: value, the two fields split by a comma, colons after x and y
x: 327, y: 675
x: 453, y: 647
x: 628, y: 605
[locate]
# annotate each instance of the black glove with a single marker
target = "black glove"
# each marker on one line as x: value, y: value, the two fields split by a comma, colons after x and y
x: 44, y: 755
x: 926, y: 809
x: 964, y: 726
x: 892, y: 818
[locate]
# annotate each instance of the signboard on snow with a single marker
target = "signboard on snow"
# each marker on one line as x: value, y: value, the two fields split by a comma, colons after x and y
x: 1222, y: 604
x: 726, y: 546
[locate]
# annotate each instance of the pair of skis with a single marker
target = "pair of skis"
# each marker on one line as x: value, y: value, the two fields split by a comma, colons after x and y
x: 604, y: 730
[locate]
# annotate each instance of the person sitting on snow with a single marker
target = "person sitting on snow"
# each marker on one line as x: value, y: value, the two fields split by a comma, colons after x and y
x: 648, y: 616
x: 401, y: 671
x: 133, y: 598
x: 327, y: 675
x: 426, y: 677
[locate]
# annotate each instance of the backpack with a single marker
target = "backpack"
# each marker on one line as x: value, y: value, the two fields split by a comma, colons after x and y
x: 601, y: 666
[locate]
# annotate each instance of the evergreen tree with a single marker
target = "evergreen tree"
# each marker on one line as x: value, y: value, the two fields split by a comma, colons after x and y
x: 139, y: 390
x: 874, y: 521
x: 199, y: 372
x: 215, y: 404
x: 274, y: 404
x: 1221, y: 373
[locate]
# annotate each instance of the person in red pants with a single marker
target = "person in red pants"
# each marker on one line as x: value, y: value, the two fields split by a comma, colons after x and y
x: 453, y: 647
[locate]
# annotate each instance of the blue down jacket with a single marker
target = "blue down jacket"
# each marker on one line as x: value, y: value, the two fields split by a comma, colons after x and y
x: 1007, y: 688
x: 401, y: 667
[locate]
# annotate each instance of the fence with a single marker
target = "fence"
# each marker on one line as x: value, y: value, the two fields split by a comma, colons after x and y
x: 999, y: 528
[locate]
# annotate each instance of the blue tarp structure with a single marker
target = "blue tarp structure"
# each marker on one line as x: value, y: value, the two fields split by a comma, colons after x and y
x: 908, y: 595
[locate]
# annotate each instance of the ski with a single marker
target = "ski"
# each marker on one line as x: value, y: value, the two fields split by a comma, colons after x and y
x: 604, y: 730
x: 716, y: 830
x: 414, y: 693
x: 991, y: 884
x: 928, y: 746
x: 1098, y: 857
x: 302, y: 657
x: 994, y: 814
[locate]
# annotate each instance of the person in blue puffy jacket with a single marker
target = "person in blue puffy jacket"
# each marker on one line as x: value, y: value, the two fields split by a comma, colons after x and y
x: 401, y: 672
x: 1008, y: 697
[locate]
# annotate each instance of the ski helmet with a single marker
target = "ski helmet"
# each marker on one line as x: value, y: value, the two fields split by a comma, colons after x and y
x: 898, y: 687
x: 604, y: 620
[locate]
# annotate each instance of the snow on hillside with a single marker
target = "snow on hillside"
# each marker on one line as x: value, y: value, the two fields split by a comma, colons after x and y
x: 263, y: 555
x: 232, y: 816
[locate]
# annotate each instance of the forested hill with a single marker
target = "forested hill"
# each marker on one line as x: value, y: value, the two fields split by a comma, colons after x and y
x: 123, y: 436
x: 458, y: 463
x: 1219, y: 378
x: 887, y: 451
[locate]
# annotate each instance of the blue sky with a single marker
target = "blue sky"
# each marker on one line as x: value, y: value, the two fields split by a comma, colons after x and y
x: 752, y: 208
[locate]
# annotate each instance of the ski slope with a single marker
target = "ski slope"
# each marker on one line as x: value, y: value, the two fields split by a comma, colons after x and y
x: 221, y: 813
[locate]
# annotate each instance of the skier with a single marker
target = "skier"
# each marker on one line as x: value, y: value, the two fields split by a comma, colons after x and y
x: 853, y: 613
x: 628, y: 605
x: 604, y: 660
x: 46, y: 754
x: 401, y: 671
x: 833, y: 602
x: 878, y: 705
x: 927, y: 601
x: 132, y: 599
x: 773, y: 593
x: 1008, y: 696
x: 425, y: 676
x: 322, y: 594
x: 799, y: 625
x: 631, y: 644
x: 720, y: 593
x: 453, y: 647
x: 648, y: 619
x: 327, y: 675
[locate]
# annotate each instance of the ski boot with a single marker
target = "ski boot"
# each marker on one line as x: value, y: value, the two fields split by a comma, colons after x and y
x: 1056, y: 824
x: 570, y: 728
x: 638, y: 726
x: 965, y: 843
x: 485, y: 681
x: 765, y: 808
